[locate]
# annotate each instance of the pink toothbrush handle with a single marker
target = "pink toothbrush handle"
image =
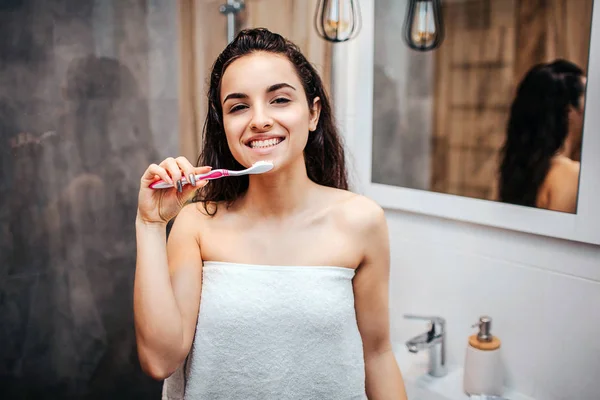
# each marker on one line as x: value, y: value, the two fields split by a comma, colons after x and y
x: 216, y: 174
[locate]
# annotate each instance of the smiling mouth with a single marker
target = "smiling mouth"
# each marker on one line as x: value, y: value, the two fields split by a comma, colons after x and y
x: 265, y: 144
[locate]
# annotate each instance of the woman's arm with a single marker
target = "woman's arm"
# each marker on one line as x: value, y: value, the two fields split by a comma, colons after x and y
x: 371, y: 286
x: 167, y: 292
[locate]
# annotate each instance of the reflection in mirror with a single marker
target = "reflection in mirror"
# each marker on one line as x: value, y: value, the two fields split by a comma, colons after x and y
x: 539, y: 165
x: 495, y: 113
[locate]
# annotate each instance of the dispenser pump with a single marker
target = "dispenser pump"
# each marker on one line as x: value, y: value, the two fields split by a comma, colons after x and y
x: 485, y: 326
x: 483, y: 371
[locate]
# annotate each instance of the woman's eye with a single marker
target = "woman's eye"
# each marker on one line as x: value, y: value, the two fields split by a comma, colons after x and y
x: 237, y: 108
x: 281, y: 100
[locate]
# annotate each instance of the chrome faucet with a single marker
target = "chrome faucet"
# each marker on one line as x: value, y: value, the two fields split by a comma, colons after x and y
x: 434, y: 340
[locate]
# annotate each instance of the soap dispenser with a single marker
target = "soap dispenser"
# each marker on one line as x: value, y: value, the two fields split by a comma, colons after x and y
x: 483, y: 373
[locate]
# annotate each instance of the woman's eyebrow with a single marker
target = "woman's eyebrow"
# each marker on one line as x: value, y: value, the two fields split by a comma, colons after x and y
x: 235, y: 96
x: 278, y: 86
x: 270, y: 89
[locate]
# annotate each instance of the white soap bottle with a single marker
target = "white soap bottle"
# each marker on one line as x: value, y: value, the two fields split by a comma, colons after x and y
x: 483, y: 373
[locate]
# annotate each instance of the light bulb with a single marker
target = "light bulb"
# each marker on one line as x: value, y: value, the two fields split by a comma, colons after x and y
x: 337, y: 20
x: 423, y: 27
x: 423, y: 30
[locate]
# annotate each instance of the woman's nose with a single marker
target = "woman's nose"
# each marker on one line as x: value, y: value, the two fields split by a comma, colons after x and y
x: 261, y: 121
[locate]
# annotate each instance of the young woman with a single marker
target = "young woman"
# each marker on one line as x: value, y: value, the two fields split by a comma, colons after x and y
x: 544, y: 130
x: 271, y: 286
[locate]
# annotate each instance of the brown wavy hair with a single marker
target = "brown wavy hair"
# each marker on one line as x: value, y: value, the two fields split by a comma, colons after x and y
x: 324, y: 151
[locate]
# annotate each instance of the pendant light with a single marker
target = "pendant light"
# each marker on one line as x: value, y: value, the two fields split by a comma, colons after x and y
x: 338, y: 20
x: 423, y: 26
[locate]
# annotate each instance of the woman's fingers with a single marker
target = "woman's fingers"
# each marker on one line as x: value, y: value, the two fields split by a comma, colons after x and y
x: 202, y: 170
x: 174, y: 171
x: 153, y: 171
x: 201, y: 183
x: 187, y: 169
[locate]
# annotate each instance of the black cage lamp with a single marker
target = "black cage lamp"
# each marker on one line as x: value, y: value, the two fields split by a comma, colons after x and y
x: 338, y: 20
x: 424, y: 26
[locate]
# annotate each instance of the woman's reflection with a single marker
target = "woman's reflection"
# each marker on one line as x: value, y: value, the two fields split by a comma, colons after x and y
x: 544, y: 131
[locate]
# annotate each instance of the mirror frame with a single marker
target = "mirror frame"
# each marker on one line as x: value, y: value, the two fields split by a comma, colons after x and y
x: 352, y: 93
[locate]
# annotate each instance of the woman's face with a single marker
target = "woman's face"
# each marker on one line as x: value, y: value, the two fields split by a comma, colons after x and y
x: 265, y: 110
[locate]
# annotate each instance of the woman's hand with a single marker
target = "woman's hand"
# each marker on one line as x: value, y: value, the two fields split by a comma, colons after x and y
x: 162, y: 205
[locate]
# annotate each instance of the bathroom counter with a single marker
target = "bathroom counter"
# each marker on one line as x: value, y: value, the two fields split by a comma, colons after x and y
x: 422, y: 386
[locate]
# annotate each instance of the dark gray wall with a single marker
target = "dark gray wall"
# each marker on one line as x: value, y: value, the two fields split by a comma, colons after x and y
x: 88, y: 92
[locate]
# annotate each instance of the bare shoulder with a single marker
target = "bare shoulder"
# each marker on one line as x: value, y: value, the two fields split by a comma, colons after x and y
x: 564, y: 167
x: 193, y: 217
x: 562, y: 185
x: 563, y: 175
x: 357, y: 212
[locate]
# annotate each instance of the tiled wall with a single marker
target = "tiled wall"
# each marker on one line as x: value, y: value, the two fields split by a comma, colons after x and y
x: 542, y: 293
x: 88, y: 99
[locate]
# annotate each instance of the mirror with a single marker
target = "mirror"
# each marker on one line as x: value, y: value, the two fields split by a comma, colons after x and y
x: 495, y: 113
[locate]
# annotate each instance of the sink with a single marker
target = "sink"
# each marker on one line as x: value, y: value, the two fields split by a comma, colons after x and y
x: 422, y: 386
x: 419, y: 384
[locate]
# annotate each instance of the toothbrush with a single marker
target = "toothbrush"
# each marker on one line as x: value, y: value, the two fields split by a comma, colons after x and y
x: 258, y: 167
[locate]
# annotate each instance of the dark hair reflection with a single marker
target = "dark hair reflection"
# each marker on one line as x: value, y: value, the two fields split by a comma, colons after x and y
x: 545, y: 122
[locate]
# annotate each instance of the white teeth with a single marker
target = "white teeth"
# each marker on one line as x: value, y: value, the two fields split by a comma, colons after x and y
x: 265, y: 143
